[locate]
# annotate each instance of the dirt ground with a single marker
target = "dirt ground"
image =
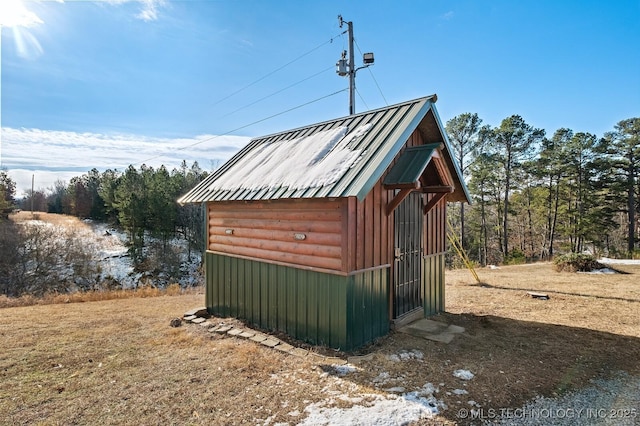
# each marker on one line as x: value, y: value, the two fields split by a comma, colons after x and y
x: 119, y: 362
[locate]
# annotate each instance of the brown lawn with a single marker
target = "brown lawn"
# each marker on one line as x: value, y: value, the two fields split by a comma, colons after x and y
x: 118, y: 361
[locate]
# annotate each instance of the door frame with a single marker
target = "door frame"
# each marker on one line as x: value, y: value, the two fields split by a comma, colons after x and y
x: 408, y: 250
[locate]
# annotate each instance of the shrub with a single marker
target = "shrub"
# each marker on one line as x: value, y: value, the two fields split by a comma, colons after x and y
x: 516, y: 257
x: 40, y: 258
x: 574, y: 262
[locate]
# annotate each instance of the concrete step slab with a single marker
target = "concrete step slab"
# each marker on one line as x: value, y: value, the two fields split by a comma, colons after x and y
x: 224, y: 329
x: 299, y: 352
x: 432, y: 330
x: 270, y: 343
x: 259, y: 337
x: 335, y: 361
x: 284, y: 347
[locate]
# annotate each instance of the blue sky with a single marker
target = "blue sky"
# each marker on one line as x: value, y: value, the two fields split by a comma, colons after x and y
x: 109, y: 83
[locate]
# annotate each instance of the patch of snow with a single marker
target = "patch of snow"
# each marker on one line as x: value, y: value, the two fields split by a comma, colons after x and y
x: 396, y: 389
x: 343, y: 370
x: 619, y: 261
x: 414, y: 354
x: 428, y: 388
x: 394, y: 358
x: 599, y: 271
x: 382, y: 378
x: 38, y: 222
x: 380, y: 410
x: 463, y: 374
x: 459, y: 392
x: 493, y: 267
x: 306, y: 162
x: 115, y: 263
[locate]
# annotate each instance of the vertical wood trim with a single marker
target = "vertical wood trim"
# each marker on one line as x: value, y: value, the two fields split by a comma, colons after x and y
x: 360, y: 236
x: 207, y: 211
x: 352, y: 233
x: 345, y: 235
x: 369, y: 230
x: 377, y: 225
x: 385, y: 247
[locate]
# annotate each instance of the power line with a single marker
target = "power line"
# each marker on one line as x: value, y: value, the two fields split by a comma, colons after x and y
x: 276, y: 92
x: 276, y: 70
x: 247, y: 125
x: 261, y: 99
x: 374, y: 77
x: 362, y: 99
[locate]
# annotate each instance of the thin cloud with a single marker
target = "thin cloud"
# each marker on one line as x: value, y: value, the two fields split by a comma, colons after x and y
x: 447, y: 16
x: 149, y: 9
x: 52, y: 155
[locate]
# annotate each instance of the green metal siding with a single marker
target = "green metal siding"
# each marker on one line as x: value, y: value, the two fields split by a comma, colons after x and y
x: 368, y: 314
x: 433, y: 284
x: 339, y: 311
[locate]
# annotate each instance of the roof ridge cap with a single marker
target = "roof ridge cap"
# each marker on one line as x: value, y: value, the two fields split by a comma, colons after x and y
x: 433, y: 98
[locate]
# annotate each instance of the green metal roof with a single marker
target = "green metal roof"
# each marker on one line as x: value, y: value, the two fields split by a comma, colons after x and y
x: 410, y: 165
x: 344, y: 157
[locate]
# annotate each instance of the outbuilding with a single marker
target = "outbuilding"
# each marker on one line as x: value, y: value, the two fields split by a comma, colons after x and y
x: 334, y: 232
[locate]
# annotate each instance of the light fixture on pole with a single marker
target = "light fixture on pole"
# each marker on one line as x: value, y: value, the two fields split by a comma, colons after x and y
x: 346, y: 66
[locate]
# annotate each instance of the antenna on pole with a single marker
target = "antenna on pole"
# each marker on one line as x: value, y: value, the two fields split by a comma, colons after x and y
x: 346, y: 66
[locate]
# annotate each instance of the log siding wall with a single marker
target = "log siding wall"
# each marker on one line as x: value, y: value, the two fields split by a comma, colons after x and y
x: 297, y: 232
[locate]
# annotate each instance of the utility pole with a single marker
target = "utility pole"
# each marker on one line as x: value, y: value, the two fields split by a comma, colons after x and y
x: 344, y: 67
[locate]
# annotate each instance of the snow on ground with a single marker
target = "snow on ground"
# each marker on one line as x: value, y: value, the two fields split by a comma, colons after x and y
x: 599, y: 271
x: 406, y: 356
x: 374, y: 409
x: 114, y: 258
x: 606, y: 260
x: 343, y: 370
x: 463, y: 374
x: 395, y: 407
x: 113, y: 254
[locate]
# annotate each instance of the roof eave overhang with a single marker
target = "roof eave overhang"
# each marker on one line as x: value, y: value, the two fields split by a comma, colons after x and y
x: 461, y: 192
x: 370, y: 179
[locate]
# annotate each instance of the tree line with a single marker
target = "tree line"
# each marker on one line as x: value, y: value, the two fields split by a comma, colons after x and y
x: 142, y: 201
x: 534, y: 196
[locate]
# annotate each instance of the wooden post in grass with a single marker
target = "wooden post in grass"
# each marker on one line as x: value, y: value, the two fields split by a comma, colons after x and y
x: 455, y: 242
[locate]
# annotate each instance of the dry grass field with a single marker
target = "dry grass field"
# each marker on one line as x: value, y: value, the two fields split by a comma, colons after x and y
x: 118, y: 361
x: 54, y: 219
